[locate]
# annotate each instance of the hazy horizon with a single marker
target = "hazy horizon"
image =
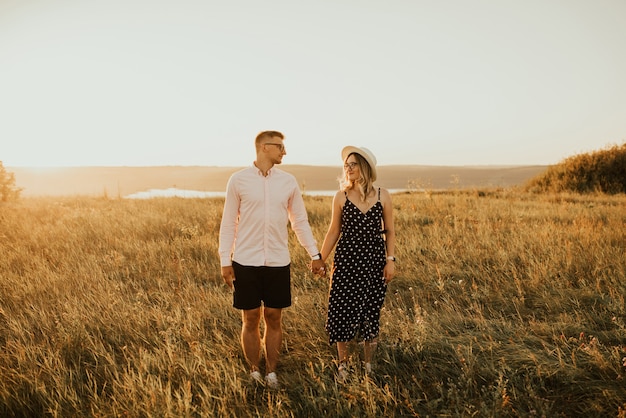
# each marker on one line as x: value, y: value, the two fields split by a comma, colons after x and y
x: 123, y: 181
x: 338, y: 165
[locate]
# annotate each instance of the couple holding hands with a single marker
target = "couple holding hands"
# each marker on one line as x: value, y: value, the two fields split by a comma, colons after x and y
x: 253, y: 247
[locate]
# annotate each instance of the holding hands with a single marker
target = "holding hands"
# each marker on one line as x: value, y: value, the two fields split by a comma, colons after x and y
x: 318, y: 267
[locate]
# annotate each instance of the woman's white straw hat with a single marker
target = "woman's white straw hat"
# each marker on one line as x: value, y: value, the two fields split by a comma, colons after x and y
x: 363, y: 152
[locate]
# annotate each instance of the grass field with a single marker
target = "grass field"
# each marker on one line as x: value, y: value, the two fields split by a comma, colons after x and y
x: 505, y: 304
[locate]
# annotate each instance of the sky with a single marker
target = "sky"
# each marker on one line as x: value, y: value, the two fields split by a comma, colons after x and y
x: 191, y: 82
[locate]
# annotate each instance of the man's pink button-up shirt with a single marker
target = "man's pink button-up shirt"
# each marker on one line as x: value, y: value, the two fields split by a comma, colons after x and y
x: 253, y: 231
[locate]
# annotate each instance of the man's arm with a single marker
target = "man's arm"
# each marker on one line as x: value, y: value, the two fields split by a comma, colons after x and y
x: 228, y: 225
x: 300, y: 222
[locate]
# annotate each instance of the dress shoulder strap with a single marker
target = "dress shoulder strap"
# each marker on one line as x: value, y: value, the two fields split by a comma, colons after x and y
x: 379, y: 194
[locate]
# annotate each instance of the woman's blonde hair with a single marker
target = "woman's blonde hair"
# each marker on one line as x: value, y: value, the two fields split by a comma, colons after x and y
x: 364, y: 183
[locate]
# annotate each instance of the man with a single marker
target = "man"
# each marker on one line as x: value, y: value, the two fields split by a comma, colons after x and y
x: 254, y: 253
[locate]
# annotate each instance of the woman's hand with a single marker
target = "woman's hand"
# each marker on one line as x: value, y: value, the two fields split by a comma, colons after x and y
x: 389, y: 271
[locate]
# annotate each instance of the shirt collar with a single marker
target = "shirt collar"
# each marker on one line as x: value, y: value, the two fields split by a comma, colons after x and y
x: 259, y: 172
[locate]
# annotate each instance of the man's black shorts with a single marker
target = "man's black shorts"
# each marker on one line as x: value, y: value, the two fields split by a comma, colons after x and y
x: 270, y: 286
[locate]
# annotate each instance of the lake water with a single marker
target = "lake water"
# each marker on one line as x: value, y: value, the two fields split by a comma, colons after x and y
x: 194, y: 194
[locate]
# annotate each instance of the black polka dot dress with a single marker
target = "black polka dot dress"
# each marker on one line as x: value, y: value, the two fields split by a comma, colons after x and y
x: 357, y: 289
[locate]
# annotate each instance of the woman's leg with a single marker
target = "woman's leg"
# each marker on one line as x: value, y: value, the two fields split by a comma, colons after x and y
x: 342, y: 352
x: 369, y: 349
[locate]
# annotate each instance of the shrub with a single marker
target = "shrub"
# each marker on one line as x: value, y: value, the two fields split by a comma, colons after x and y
x: 8, y: 191
x: 602, y: 171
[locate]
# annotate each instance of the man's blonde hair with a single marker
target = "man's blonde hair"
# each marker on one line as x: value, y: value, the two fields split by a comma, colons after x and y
x: 266, y: 135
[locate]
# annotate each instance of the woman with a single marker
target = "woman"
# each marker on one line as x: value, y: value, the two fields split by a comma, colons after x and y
x: 362, y: 228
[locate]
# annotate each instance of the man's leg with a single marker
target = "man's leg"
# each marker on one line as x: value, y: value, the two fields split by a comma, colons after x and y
x: 251, y: 337
x: 273, y: 337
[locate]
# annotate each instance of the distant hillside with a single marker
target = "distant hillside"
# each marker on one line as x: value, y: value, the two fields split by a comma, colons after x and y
x: 122, y: 181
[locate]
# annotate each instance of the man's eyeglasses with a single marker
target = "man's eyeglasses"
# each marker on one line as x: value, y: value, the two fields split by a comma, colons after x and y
x: 350, y: 166
x: 280, y: 146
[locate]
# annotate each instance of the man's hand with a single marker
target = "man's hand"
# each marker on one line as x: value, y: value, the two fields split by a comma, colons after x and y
x: 228, y: 273
x: 318, y: 267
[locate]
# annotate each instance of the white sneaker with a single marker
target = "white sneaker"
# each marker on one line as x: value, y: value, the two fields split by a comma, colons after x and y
x: 343, y: 374
x: 271, y: 380
x: 257, y: 377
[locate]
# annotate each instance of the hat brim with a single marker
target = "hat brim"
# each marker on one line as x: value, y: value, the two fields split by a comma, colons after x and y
x: 363, y: 152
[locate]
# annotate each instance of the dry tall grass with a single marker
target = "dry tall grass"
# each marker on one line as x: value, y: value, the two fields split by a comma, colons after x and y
x: 506, y: 304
